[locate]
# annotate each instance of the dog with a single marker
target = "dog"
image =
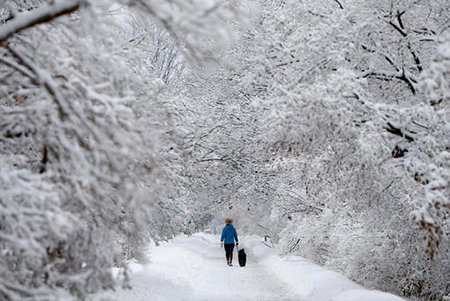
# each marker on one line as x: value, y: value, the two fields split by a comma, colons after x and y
x: 242, y: 258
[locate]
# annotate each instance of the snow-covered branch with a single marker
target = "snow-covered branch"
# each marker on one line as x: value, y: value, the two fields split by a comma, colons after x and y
x: 38, y: 16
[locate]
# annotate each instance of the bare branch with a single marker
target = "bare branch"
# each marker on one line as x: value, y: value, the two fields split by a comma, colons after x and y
x: 340, y: 5
x: 396, y: 131
x: 416, y: 58
x: 399, y: 19
x: 401, y: 31
x: 388, y: 76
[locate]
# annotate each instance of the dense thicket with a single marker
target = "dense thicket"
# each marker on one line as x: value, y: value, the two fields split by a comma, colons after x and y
x: 124, y: 121
x: 338, y: 118
x: 90, y: 165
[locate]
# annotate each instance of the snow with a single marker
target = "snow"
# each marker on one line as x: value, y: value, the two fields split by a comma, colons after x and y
x: 366, y: 295
x: 194, y: 268
x: 39, y: 15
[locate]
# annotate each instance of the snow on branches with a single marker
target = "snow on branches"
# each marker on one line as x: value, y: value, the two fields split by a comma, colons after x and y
x: 434, y: 164
x: 85, y: 181
x: 124, y: 121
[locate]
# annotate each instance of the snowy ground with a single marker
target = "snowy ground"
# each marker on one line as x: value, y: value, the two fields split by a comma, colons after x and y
x: 194, y: 268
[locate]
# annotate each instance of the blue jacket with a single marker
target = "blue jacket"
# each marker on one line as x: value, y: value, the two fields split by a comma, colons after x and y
x: 229, y: 235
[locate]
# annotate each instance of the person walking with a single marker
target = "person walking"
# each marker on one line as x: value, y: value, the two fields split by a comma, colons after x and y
x: 229, y: 236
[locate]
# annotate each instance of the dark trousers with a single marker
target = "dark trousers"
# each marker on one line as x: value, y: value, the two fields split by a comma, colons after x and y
x: 229, y: 252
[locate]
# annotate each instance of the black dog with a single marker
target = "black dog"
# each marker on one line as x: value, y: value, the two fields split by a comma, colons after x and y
x: 242, y: 257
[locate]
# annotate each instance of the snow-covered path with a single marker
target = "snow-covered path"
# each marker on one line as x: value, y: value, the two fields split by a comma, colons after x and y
x: 200, y: 263
x: 194, y: 268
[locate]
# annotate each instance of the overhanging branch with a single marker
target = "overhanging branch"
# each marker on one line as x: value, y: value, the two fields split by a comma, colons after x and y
x: 38, y: 16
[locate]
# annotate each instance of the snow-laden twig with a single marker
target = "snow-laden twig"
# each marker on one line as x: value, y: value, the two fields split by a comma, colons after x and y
x: 38, y: 16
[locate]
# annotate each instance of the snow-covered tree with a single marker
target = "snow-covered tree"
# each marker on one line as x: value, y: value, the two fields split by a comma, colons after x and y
x: 81, y: 176
x: 344, y: 137
x: 325, y: 124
